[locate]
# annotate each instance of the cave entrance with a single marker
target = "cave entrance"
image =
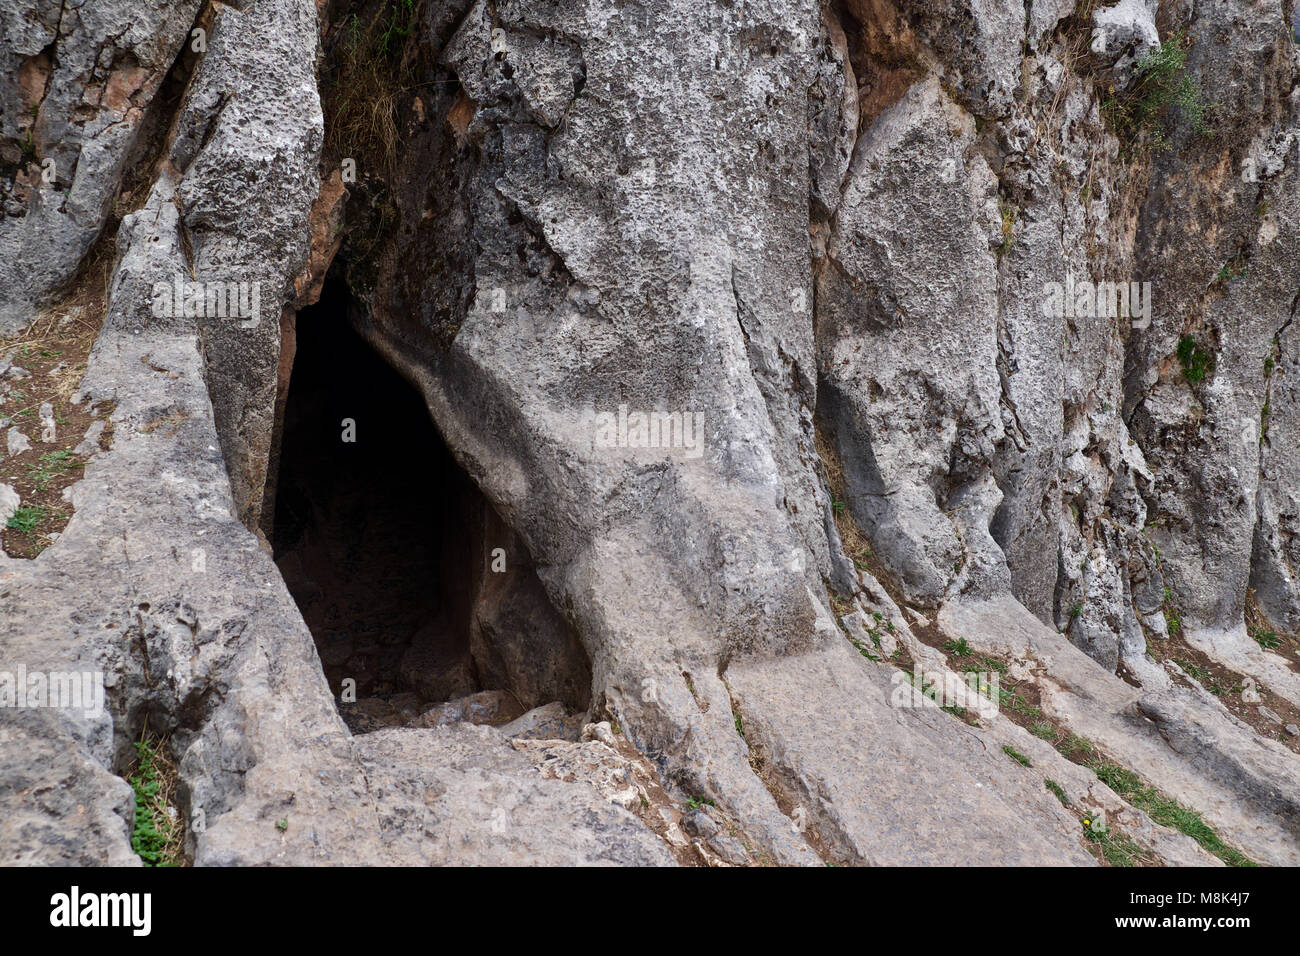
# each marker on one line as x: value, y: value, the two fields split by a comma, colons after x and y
x: 389, y: 548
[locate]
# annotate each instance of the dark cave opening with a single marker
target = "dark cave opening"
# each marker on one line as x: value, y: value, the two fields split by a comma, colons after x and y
x: 392, y: 553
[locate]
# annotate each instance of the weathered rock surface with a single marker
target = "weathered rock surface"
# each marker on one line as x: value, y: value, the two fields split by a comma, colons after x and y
x: 81, y: 80
x: 461, y: 795
x: 896, y: 786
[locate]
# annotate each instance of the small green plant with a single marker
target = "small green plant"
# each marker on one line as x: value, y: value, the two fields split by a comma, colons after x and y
x: 1009, y: 215
x: 694, y: 803
x: 49, y: 466
x: 155, y: 835
x: 957, y: 647
x: 867, y: 654
x: 282, y: 824
x: 1013, y: 701
x: 1198, y: 674
x: 1016, y: 755
x: 1166, y: 811
x: 1196, y: 363
x: 1161, y: 92
x: 1056, y: 789
x: 1043, y: 730
x: 1267, y: 640
x: 1232, y: 270
x: 740, y: 724
x: 401, y: 17
x: 1119, y: 849
x: 993, y: 664
x: 1076, y: 610
x: 920, y: 684
x: 1072, y: 745
x: 26, y: 519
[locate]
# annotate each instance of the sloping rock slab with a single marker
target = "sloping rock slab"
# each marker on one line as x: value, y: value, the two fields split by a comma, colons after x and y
x: 895, y: 786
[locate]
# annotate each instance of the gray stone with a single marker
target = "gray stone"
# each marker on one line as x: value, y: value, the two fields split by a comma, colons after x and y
x: 548, y: 722
x: 484, y: 707
x: 1124, y: 33
x: 9, y: 502
x: 78, y: 88
x: 16, y: 441
x: 90, y: 444
x: 697, y: 823
x: 461, y: 796
x: 930, y: 776
x: 729, y: 849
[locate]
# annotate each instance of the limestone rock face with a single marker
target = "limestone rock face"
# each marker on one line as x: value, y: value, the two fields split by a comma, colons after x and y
x: 918, y: 424
x: 80, y: 91
x: 787, y: 347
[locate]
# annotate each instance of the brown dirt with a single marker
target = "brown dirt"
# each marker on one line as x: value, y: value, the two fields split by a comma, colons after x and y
x: 782, y: 791
x: 54, y: 350
x: 1229, y: 686
x: 1288, y: 646
x: 853, y: 539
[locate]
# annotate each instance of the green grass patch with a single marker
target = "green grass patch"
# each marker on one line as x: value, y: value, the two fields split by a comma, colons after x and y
x: 1196, y: 363
x: 50, y: 465
x: 1071, y: 746
x: 1118, y: 848
x: 1198, y: 674
x: 1017, y: 756
x: 1166, y: 811
x: 1267, y: 640
x: 26, y: 519
x: 156, y: 836
x: 1161, y: 93
x: 1043, y: 730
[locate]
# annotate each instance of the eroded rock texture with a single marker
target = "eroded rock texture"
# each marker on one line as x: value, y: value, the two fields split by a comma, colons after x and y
x: 851, y: 241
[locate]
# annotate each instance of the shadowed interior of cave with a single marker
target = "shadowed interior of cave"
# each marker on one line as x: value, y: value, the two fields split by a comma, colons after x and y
x: 382, y: 541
